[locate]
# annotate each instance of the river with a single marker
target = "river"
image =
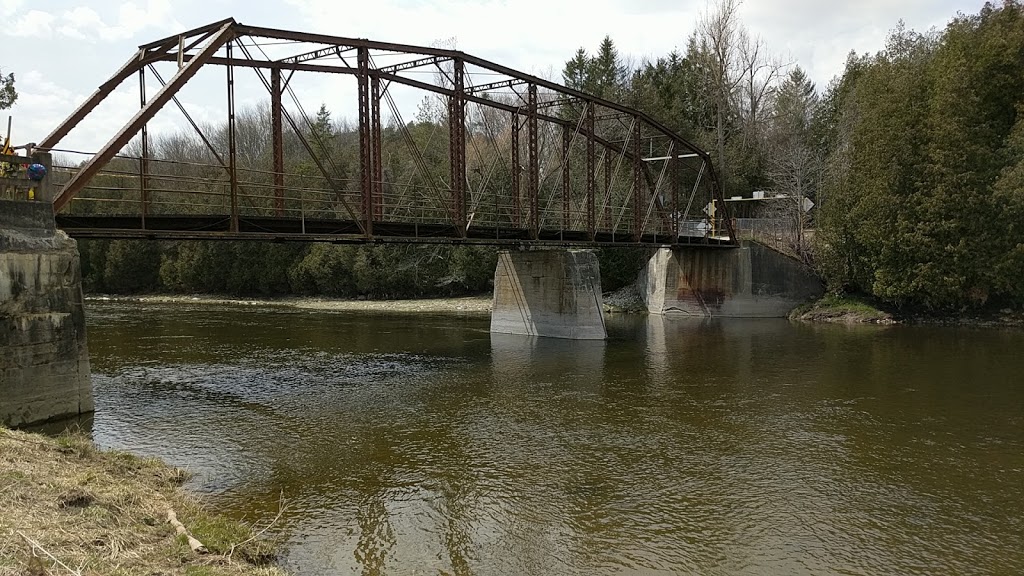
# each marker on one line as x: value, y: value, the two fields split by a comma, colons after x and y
x: 422, y: 444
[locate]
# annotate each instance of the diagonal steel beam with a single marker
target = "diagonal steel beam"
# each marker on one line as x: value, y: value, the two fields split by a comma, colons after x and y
x: 82, y: 177
x: 130, y: 67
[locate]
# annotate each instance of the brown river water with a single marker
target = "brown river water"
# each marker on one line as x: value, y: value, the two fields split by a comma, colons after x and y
x: 422, y: 444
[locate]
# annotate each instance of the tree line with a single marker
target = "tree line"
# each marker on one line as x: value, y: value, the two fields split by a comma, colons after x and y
x: 914, y: 155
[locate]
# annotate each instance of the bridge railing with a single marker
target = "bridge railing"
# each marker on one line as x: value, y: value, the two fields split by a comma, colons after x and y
x: 130, y: 187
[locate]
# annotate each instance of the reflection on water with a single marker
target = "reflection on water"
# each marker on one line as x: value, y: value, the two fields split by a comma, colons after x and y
x: 423, y: 444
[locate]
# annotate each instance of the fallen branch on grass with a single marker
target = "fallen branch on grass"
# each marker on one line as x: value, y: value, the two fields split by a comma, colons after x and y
x: 194, y: 544
x: 37, y: 546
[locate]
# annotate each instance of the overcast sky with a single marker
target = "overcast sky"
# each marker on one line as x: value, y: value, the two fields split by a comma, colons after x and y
x: 61, y: 50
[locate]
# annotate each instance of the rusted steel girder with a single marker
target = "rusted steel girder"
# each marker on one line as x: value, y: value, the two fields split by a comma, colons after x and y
x: 316, y: 54
x: 130, y: 67
x: 457, y: 144
x: 591, y: 174
x: 517, y: 208
x: 533, y: 163
x: 466, y: 59
x: 377, y: 183
x: 232, y: 144
x: 365, y: 141
x: 495, y: 85
x: 277, y: 140
x: 412, y: 64
x: 309, y: 149
x: 193, y: 49
x: 137, y: 61
x: 92, y: 166
x: 469, y: 95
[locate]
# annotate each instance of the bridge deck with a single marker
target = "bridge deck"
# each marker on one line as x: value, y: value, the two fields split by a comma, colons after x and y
x: 218, y: 227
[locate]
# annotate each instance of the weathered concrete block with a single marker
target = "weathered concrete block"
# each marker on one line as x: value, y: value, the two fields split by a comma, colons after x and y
x: 44, y: 358
x: 751, y: 281
x: 31, y: 218
x: 553, y: 293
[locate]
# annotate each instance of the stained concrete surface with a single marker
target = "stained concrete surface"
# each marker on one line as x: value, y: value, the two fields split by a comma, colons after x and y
x: 44, y: 358
x: 550, y: 293
x: 751, y: 281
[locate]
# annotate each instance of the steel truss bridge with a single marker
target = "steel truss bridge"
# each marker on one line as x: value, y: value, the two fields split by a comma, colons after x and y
x: 496, y: 156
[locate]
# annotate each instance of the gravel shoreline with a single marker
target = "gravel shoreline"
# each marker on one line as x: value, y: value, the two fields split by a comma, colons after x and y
x: 468, y: 304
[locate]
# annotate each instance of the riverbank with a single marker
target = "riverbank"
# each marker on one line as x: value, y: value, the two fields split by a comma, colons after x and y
x: 829, y: 310
x: 67, y: 507
x: 466, y: 304
x: 623, y: 301
x: 859, y: 310
x: 842, y: 310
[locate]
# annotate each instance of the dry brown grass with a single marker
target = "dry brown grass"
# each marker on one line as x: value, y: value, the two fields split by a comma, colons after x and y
x: 68, y: 508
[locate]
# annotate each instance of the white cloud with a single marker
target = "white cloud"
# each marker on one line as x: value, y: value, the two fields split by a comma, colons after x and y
x: 83, y: 22
x: 10, y: 7
x: 89, y: 39
x: 540, y: 35
x: 819, y: 35
x: 32, y: 24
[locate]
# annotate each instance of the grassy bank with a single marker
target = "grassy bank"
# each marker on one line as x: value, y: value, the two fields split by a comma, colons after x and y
x: 842, y: 310
x: 68, y: 508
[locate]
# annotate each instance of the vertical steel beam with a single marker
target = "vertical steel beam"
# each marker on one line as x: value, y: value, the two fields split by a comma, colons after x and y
x: 638, y: 181
x: 517, y: 208
x: 232, y: 153
x: 591, y: 173
x: 607, y: 190
x: 365, y: 144
x: 533, y: 166
x: 144, y: 158
x: 277, y: 137
x: 375, y: 141
x: 677, y: 181
x: 566, y: 177
x: 457, y: 145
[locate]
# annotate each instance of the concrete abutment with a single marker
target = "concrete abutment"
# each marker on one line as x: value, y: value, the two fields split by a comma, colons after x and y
x: 751, y: 281
x: 44, y: 358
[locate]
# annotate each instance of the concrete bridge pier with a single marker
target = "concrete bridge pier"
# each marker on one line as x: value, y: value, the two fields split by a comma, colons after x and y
x: 44, y: 360
x: 751, y: 281
x: 552, y: 293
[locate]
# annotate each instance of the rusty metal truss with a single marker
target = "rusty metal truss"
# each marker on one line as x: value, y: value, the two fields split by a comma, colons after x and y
x: 510, y: 157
